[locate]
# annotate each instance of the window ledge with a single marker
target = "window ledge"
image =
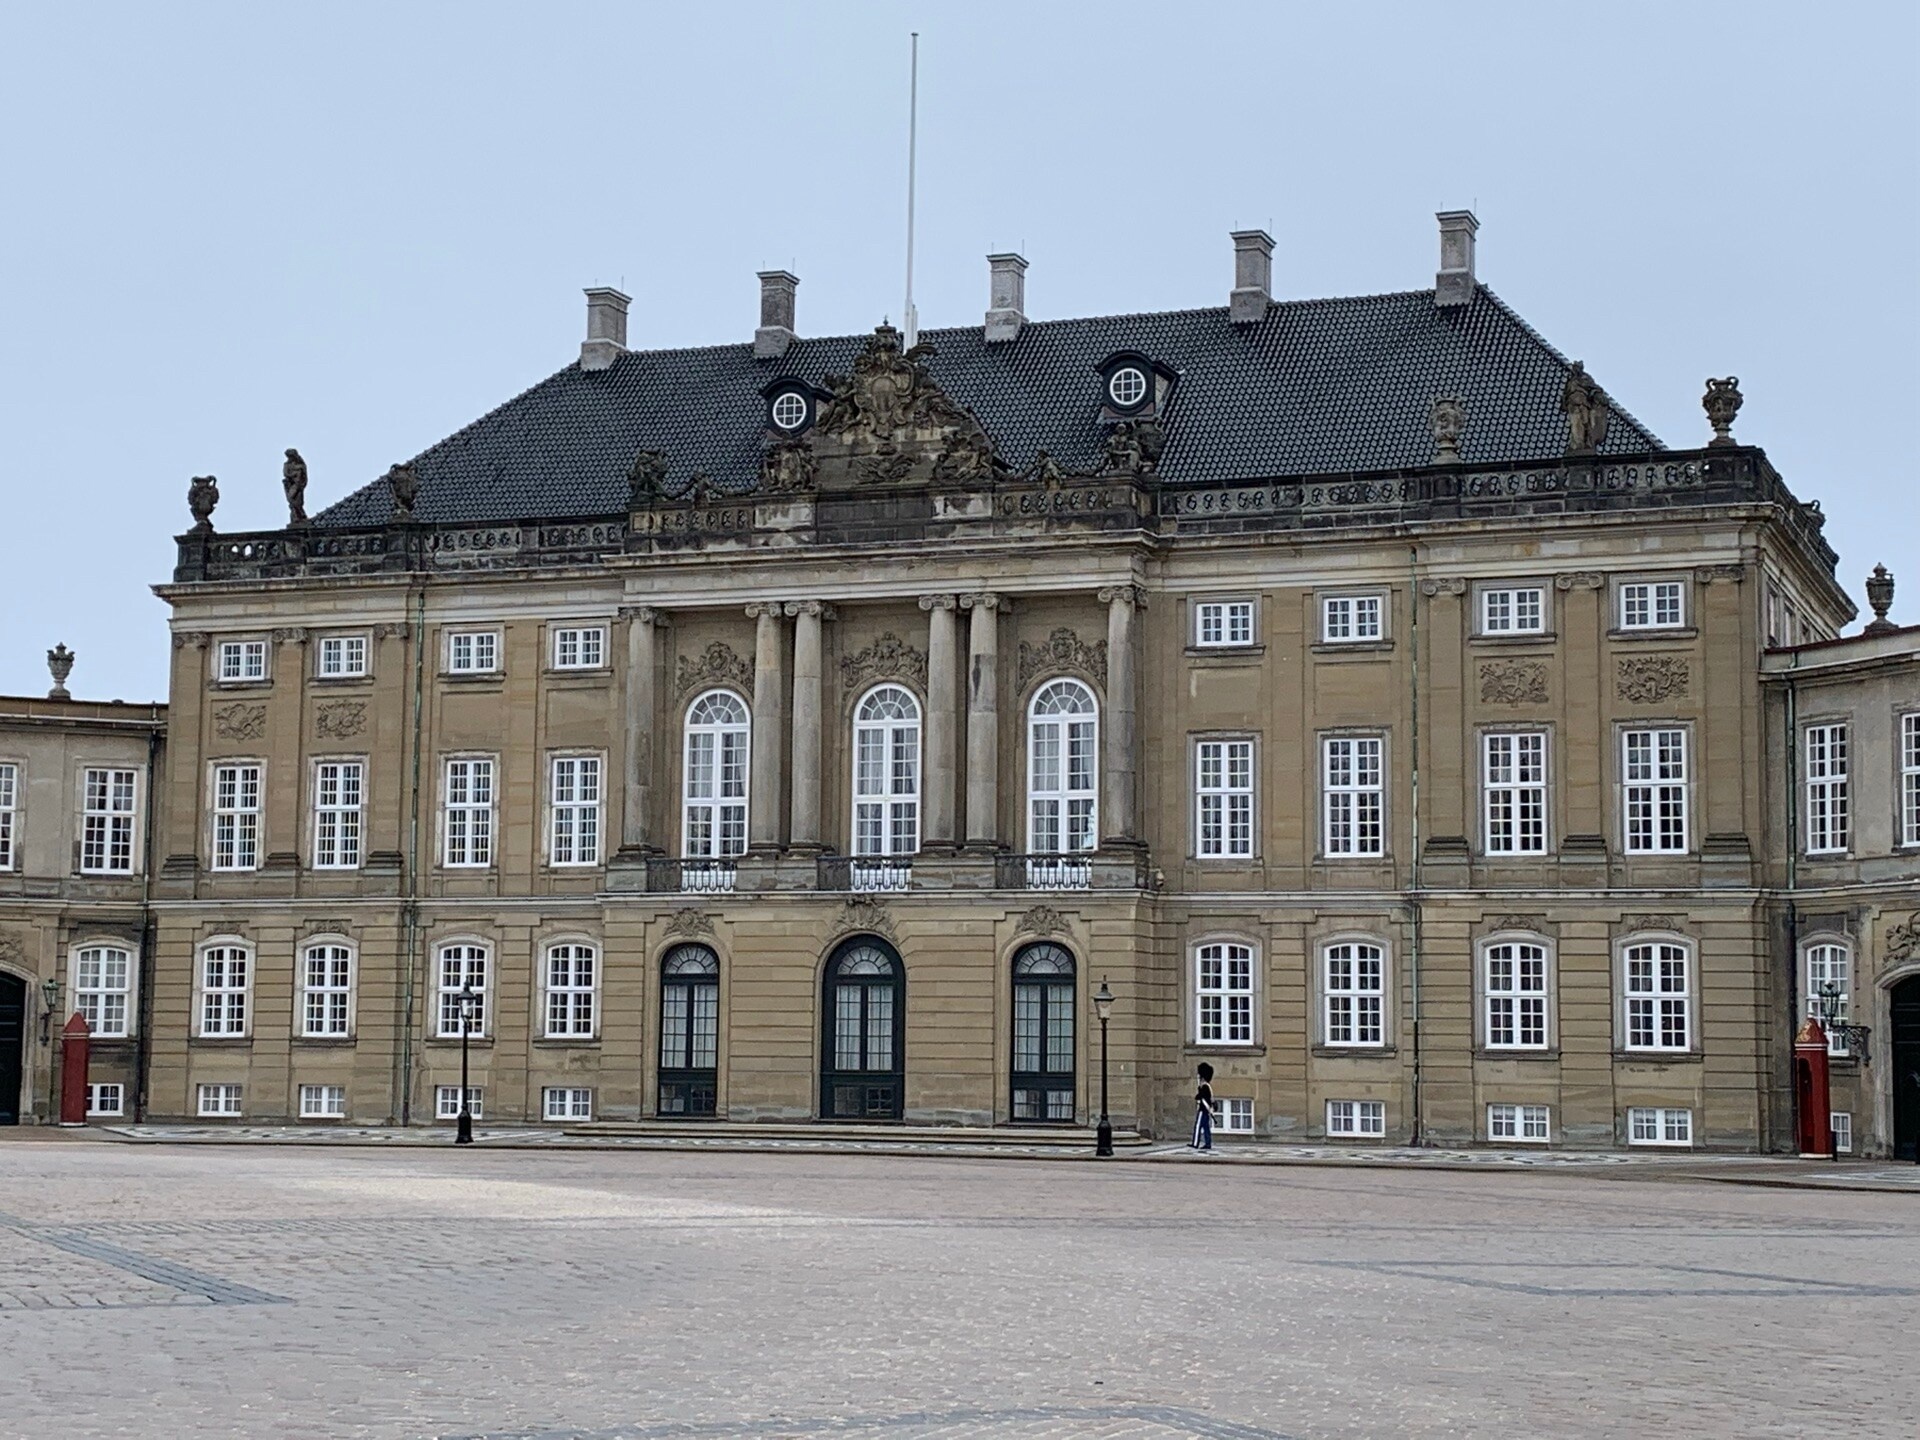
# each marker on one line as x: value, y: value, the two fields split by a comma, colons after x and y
x: 1352, y: 647
x: 225, y: 1042
x: 579, y: 672
x: 1227, y: 654
x: 474, y: 677
x: 1222, y: 1047
x: 1659, y: 1057
x: 452, y: 1042
x: 364, y: 678
x: 1355, y: 1052
x: 1490, y: 1052
x: 325, y: 1042
x: 222, y: 687
x: 1518, y: 637
x: 1671, y: 632
x: 566, y: 1042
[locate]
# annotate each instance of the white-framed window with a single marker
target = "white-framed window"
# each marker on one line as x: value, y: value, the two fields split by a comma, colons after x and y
x: 571, y: 966
x: 1654, y: 790
x: 107, y: 1098
x: 566, y: 1102
x: 1347, y: 619
x: 1658, y: 977
x: 473, y: 652
x: 886, y: 772
x: 1353, y: 794
x: 446, y: 1101
x: 576, y: 790
x: 338, y: 792
x: 9, y: 815
x: 1356, y: 1117
x: 1062, y: 746
x: 1841, y: 1123
x: 1223, y: 798
x: 1659, y: 1125
x: 460, y: 964
x: 108, y: 805
x: 226, y: 980
x: 467, y: 821
x: 236, y: 816
x: 323, y: 1102
x: 714, y: 812
x: 579, y: 647
x: 789, y: 410
x: 1353, y: 993
x: 1513, y: 610
x: 1652, y: 605
x: 1910, y: 778
x: 1526, y: 1124
x: 219, y: 1100
x: 102, y: 989
x: 1127, y: 386
x: 1830, y: 963
x: 1515, y: 787
x: 1827, y: 797
x: 238, y: 662
x: 1236, y: 1115
x: 1516, y: 991
x: 1223, y: 993
x: 1218, y: 624
x: 342, y: 657
x: 326, y: 990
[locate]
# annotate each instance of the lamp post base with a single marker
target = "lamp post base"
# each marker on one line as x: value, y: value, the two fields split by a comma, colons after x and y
x: 463, y: 1135
x: 1103, y: 1138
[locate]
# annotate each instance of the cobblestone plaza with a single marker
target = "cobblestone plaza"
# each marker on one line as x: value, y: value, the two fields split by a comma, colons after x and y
x: 228, y: 1291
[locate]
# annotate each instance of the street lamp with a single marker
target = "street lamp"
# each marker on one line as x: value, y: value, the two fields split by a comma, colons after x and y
x: 469, y: 999
x: 1103, y: 1007
x: 50, y: 995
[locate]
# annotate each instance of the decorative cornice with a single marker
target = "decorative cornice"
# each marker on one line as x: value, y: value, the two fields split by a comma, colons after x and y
x: 1531, y: 924
x: 1444, y: 585
x: 1675, y: 923
x: 887, y: 658
x: 240, y: 722
x: 1647, y: 679
x: 1063, y: 650
x: 1513, y: 682
x: 1579, y: 580
x: 716, y: 665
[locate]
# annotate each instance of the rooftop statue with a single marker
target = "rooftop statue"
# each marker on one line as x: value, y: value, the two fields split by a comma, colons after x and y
x: 404, y: 481
x: 203, y: 493
x: 293, y: 480
x: 1584, y: 404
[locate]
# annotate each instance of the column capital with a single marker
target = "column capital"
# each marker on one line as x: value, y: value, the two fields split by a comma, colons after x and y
x: 759, y: 608
x: 290, y: 635
x: 1707, y: 574
x: 190, y: 639
x: 810, y: 607
x: 1133, y: 595
x: 1579, y: 580
x: 985, y: 600
x: 643, y: 614
x: 939, y: 602
x: 1445, y: 585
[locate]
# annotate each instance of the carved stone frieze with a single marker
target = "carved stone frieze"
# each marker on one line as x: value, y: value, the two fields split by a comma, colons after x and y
x: 789, y: 468
x: 865, y: 914
x: 716, y: 665
x: 1903, y: 940
x: 1707, y: 574
x: 12, y: 953
x: 240, y: 722
x: 392, y: 630
x: 1513, y: 682
x: 340, y: 720
x: 690, y: 923
x: 1063, y: 650
x: 1675, y: 923
x: 1444, y: 585
x: 1579, y: 580
x: 887, y: 393
x: 290, y: 635
x: 1526, y: 924
x: 190, y: 639
x: 1042, y: 920
x: 887, y: 658
x: 1648, y: 679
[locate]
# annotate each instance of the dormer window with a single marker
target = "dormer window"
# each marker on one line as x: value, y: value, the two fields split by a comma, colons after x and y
x: 1133, y: 386
x: 1127, y: 387
x: 790, y: 409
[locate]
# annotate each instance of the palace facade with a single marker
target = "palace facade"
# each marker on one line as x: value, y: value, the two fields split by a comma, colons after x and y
x: 807, y: 729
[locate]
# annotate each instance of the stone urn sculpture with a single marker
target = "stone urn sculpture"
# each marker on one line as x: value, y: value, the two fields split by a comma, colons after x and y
x: 60, y: 664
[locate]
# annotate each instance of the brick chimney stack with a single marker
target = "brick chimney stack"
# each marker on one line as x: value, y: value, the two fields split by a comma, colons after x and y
x: 1454, y: 285
x: 776, y: 331
x: 606, y: 329
x: 1252, y: 276
x: 1006, y: 296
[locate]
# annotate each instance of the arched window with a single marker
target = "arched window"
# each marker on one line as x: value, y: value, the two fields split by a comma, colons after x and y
x: 1830, y: 964
x: 715, y: 823
x: 1061, y: 745
x: 886, y: 773
x: 689, y: 1030
x: 863, y: 1023
x: 326, y: 989
x: 226, y: 985
x: 1043, y: 1011
x: 103, y: 989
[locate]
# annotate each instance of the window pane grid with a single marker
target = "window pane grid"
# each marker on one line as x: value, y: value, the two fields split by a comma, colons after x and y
x: 1061, y: 745
x: 106, y: 834
x: 326, y: 984
x: 1353, y: 795
x: 1516, y: 794
x: 575, y: 838
x: 886, y: 784
x: 461, y: 966
x: 469, y: 813
x: 336, y: 814
x: 101, y: 988
x: 1223, y: 991
x: 1516, y: 988
x: 1354, y: 999
x: 1655, y: 790
x: 9, y: 805
x: 1910, y: 779
x: 1224, y: 785
x: 236, y: 817
x: 1827, y: 794
x: 570, y: 991
x: 223, y: 990
x: 1659, y: 999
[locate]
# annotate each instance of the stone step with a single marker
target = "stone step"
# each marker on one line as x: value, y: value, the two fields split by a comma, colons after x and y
x: 1025, y: 1137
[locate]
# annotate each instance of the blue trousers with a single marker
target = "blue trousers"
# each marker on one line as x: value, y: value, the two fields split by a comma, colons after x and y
x: 1202, y: 1128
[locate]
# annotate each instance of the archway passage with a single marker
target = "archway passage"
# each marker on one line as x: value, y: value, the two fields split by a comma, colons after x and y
x: 13, y: 1032
x: 863, y: 1033
x: 1043, y: 1038
x: 1904, y: 1057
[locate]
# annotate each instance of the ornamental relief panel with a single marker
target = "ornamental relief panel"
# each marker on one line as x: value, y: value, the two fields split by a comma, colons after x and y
x: 718, y: 664
x: 1042, y: 920
x: 1513, y: 682
x: 887, y: 658
x: 240, y: 722
x: 1648, y: 679
x: 341, y: 720
x: 1063, y: 650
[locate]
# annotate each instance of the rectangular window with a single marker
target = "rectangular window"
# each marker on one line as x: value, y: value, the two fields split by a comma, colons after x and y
x: 1354, y: 796
x: 1841, y: 1123
x: 236, y: 817
x: 570, y: 991
x: 1659, y: 997
x: 9, y: 810
x: 462, y: 967
x: 1525, y: 1123
x: 100, y: 989
x: 106, y: 1099
x: 1356, y: 1117
x: 446, y: 1101
x: 106, y: 822
x: 1224, y: 797
x: 1236, y: 1116
x: 1519, y: 611
x: 576, y: 810
x: 1354, y: 994
x: 1223, y: 993
x: 566, y: 1103
x: 326, y: 992
x: 469, y: 813
x: 342, y: 656
x: 224, y: 974
x: 1516, y: 793
x: 240, y: 661
x: 581, y: 647
x: 1830, y: 982
x: 1516, y: 996
x: 1827, y: 799
x: 473, y: 652
x: 1654, y: 791
x: 336, y: 814
x: 323, y: 1102
x: 1659, y: 1125
x: 1654, y: 605
x: 1910, y: 779
x: 220, y: 1100
x: 1349, y: 618
x: 1219, y: 623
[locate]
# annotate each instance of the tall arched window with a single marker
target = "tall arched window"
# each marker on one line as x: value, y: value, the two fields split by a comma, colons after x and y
x: 1061, y: 746
x: 689, y: 1030
x: 1830, y: 964
x: 715, y: 820
x: 1043, y: 1012
x: 863, y: 1023
x: 886, y: 773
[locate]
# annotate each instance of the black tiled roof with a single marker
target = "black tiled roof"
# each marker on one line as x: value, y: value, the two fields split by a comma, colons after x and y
x: 1317, y: 387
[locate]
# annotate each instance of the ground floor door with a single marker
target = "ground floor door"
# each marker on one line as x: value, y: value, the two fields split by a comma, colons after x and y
x: 13, y: 1031
x: 1904, y: 1057
x: 1043, y: 1034
x: 863, y: 1029
x: 689, y: 1031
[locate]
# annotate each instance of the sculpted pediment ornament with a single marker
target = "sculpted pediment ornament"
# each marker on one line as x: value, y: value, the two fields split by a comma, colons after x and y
x: 863, y: 914
x: 1041, y: 920
x: 689, y: 922
x: 1903, y: 940
x: 1063, y: 650
x: 887, y: 658
x: 716, y: 665
x: 891, y: 421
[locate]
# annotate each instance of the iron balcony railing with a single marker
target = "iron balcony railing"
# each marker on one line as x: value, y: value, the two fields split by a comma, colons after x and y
x: 696, y: 876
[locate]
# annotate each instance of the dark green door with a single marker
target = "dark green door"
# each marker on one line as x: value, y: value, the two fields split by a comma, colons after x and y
x: 13, y: 1030
x: 1906, y: 1068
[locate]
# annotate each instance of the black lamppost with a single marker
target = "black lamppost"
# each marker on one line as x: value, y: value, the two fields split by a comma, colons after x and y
x: 1103, y: 1007
x: 50, y: 996
x: 468, y: 999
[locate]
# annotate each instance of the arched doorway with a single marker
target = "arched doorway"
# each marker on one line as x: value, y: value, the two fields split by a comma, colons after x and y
x: 1043, y: 1033
x: 689, y: 1031
x: 863, y: 1032
x: 1904, y: 1057
x: 13, y: 1033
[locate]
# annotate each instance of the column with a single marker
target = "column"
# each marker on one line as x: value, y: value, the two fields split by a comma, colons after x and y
x: 808, y: 615
x: 763, y: 798
x: 639, y: 719
x: 983, y: 718
x: 1117, y: 755
x: 943, y: 716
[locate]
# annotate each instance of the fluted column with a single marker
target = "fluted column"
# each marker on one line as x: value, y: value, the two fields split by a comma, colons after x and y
x: 1117, y: 761
x: 943, y: 720
x: 763, y: 800
x: 983, y: 718
x: 638, y: 719
x: 805, y: 820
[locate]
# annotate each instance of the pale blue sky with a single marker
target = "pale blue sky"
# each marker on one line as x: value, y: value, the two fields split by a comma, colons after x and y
x: 353, y: 228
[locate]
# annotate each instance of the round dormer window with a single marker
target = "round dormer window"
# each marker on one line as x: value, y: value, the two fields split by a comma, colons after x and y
x: 790, y: 410
x: 1127, y: 387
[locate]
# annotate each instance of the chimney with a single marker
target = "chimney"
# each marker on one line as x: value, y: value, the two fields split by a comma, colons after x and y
x: 775, y: 334
x: 606, y: 329
x: 1006, y: 296
x: 1252, y: 276
x: 1454, y: 284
